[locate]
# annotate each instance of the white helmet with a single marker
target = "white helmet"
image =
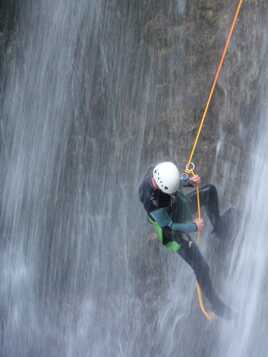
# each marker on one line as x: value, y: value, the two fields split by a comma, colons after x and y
x: 167, y: 177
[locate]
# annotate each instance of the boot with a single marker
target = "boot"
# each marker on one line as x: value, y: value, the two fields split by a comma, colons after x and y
x: 222, y: 310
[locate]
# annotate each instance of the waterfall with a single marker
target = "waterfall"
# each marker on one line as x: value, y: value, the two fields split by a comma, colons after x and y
x: 41, y: 245
x: 93, y: 93
x: 246, y: 280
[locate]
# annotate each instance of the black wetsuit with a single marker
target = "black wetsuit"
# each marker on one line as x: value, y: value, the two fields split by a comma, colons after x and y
x: 180, y: 208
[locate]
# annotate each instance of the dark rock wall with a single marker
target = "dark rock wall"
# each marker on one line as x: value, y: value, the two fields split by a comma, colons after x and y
x: 8, y: 27
x: 184, y: 50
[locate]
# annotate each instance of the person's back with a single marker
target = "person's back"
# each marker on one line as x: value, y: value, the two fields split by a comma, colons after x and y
x: 152, y: 198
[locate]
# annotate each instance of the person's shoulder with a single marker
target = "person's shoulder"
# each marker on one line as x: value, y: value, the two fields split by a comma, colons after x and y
x: 146, y: 178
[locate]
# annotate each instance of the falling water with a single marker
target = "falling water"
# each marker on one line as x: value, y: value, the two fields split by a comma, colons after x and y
x: 72, y: 135
x: 90, y: 99
x: 41, y: 244
x: 246, y: 278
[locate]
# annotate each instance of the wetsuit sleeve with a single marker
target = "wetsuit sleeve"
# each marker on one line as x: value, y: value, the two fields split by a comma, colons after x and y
x: 162, y: 217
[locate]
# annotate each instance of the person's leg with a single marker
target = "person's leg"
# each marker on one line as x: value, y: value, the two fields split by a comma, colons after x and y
x: 209, y: 200
x: 191, y: 254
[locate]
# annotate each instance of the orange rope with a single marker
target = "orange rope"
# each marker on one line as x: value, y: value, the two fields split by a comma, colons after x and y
x: 208, y: 314
x: 216, y: 78
x: 190, y: 166
x: 190, y: 171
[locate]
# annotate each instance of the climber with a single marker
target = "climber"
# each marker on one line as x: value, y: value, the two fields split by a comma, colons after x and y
x: 170, y: 210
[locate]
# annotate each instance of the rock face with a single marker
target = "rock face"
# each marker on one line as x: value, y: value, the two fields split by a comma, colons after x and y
x: 185, y: 46
x: 94, y: 93
x: 7, y: 28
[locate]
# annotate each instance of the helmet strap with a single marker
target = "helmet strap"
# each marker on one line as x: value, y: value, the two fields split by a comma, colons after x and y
x: 154, y: 184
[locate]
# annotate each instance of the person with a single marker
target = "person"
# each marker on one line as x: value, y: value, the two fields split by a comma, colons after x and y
x: 171, y: 211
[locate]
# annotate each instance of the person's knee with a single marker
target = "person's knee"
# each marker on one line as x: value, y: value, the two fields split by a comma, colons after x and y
x: 209, y: 188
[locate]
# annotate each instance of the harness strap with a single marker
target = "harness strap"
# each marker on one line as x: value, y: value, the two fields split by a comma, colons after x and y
x: 171, y: 245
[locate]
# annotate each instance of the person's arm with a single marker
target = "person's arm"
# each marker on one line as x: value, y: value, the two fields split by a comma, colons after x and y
x: 162, y: 217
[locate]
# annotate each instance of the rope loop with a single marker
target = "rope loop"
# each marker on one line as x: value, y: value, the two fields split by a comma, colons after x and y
x: 190, y: 168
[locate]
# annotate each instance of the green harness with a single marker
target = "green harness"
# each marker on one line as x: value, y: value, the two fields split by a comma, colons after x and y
x: 172, y: 246
x: 185, y: 215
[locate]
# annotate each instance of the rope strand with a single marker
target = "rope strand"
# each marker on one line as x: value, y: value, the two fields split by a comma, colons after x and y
x: 190, y: 166
x: 216, y: 78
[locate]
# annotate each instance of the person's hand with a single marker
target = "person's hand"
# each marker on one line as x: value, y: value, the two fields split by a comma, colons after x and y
x: 200, y: 224
x: 196, y: 180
